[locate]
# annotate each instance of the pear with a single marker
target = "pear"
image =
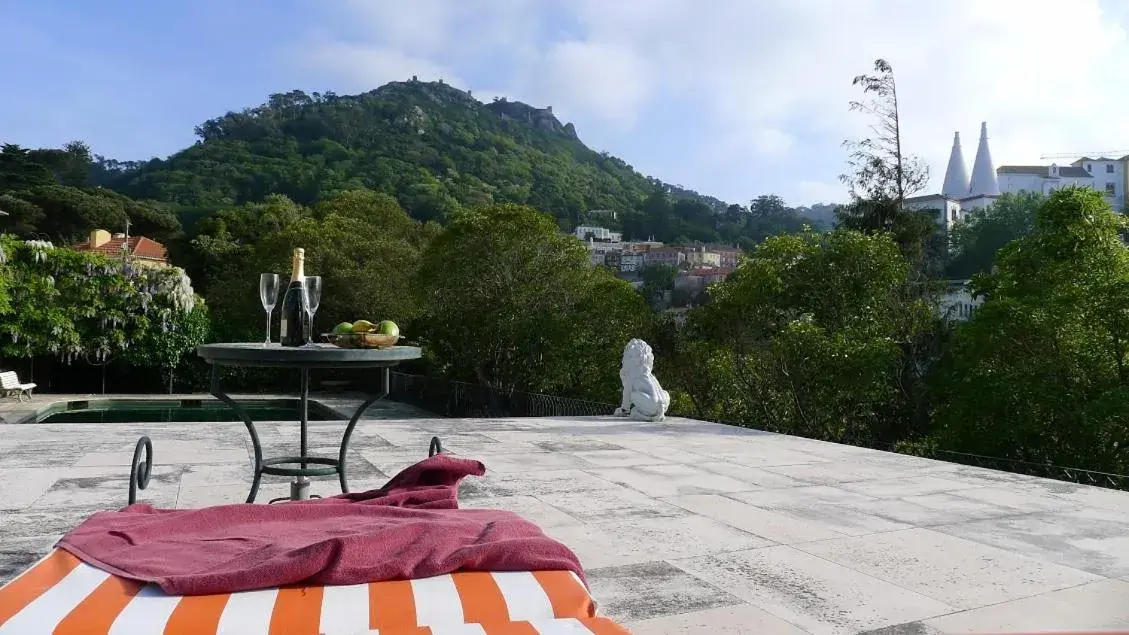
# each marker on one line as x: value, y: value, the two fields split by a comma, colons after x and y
x: 388, y: 327
x: 363, y: 326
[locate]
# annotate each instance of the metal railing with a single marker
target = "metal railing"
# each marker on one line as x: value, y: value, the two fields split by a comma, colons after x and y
x: 462, y: 399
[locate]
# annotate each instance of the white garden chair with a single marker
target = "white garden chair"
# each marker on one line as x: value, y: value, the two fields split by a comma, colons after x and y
x: 10, y: 385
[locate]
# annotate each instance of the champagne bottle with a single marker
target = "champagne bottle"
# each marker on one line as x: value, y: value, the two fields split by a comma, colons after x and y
x: 293, y: 314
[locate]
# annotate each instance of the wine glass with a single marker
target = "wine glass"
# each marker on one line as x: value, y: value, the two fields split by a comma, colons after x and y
x: 311, y: 300
x: 268, y: 295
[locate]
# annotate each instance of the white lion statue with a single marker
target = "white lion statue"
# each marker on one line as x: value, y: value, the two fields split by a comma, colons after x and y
x: 643, y: 398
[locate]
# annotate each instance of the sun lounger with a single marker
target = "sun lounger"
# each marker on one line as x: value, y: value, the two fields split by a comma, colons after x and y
x: 64, y: 596
x: 10, y: 385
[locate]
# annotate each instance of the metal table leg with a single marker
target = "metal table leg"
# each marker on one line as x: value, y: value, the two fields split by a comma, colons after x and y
x: 257, y: 461
x: 385, y: 387
x: 300, y: 486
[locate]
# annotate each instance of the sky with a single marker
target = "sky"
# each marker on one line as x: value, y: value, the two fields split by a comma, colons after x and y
x: 732, y: 98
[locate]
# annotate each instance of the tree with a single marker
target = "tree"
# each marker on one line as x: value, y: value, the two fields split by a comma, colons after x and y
x: 808, y: 337
x: 362, y: 243
x: 880, y: 169
x: 85, y: 306
x: 1041, y: 371
x: 510, y: 302
x: 975, y: 240
x: 768, y: 205
x: 659, y: 215
x: 657, y: 278
x: 881, y: 174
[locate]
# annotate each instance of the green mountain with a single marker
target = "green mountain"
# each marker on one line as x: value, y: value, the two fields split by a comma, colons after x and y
x: 430, y: 145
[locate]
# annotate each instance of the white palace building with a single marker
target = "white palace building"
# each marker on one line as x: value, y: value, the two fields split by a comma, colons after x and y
x: 961, y: 194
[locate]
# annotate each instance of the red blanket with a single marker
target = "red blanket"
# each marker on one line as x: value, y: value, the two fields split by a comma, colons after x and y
x: 410, y: 528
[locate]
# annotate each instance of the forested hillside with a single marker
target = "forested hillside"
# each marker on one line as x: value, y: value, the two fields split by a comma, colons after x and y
x: 431, y: 146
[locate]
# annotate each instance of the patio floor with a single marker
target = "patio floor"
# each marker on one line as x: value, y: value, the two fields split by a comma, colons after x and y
x: 684, y: 526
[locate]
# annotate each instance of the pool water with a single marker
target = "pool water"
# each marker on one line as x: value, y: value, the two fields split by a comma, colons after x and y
x: 178, y: 410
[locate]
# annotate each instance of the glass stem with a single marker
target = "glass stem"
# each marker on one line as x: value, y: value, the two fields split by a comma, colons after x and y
x: 268, y: 328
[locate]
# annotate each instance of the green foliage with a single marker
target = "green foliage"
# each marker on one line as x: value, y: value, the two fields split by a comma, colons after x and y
x: 809, y: 336
x: 510, y: 302
x: 79, y: 305
x: 976, y: 239
x: 657, y: 277
x: 431, y: 146
x: 362, y: 244
x: 45, y: 194
x: 1039, y: 373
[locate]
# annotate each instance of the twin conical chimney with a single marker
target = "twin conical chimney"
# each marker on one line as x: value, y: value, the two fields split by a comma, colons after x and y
x: 984, y: 181
x: 956, y: 175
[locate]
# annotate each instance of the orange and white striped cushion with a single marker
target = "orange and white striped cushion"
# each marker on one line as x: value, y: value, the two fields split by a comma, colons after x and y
x: 61, y: 595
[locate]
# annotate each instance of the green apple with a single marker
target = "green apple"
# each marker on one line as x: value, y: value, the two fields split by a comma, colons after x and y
x: 343, y: 328
x: 388, y: 327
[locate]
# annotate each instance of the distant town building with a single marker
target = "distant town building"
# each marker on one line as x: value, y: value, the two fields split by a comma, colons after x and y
x: 948, y: 210
x: 969, y: 193
x: 700, y: 257
x: 957, y: 303
x: 729, y: 255
x: 140, y: 249
x: 603, y: 213
x: 1110, y: 176
x: 673, y: 256
x: 632, y: 261
x: 1106, y: 175
x: 599, y: 234
x: 696, y: 280
x: 598, y: 252
x: 961, y: 194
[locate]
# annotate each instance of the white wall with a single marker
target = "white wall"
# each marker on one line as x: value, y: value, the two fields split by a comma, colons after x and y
x: 1013, y: 183
x: 948, y: 211
x: 958, y: 304
x: 1042, y: 184
x: 1102, y: 177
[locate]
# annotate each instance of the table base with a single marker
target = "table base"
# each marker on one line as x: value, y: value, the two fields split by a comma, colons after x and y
x: 306, y: 465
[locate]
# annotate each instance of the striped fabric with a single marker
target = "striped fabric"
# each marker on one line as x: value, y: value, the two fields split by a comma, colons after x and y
x: 60, y: 595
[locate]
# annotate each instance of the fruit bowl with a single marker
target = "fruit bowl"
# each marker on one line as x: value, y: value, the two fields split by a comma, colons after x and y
x: 361, y: 340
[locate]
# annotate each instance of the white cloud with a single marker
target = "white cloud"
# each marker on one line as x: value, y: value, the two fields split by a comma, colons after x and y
x: 767, y: 81
x: 597, y: 78
x: 363, y: 68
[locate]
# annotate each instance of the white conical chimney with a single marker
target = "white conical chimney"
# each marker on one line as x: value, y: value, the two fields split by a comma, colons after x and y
x: 983, y: 172
x: 956, y: 176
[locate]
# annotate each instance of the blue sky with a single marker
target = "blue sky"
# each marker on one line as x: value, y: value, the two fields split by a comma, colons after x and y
x: 734, y: 98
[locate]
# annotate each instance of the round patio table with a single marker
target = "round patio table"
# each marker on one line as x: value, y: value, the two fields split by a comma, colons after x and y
x: 304, y: 359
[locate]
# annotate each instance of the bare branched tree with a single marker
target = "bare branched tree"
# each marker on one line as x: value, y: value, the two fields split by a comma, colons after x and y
x: 881, y: 173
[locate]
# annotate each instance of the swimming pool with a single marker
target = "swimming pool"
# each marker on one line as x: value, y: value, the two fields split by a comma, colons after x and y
x: 176, y: 410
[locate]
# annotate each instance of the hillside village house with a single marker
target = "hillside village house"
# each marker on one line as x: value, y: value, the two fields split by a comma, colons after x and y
x: 597, y: 234
x: 140, y: 249
x: 672, y: 256
x: 699, y: 257
x: 696, y: 280
x: 729, y: 257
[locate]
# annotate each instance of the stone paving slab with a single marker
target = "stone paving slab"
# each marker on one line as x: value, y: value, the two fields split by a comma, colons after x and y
x: 683, y: 526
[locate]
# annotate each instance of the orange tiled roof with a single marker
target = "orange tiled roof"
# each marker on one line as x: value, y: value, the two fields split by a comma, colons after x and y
x: 139, y: 247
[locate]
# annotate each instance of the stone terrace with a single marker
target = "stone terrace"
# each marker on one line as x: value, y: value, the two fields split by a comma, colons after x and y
x: 684, y: 526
